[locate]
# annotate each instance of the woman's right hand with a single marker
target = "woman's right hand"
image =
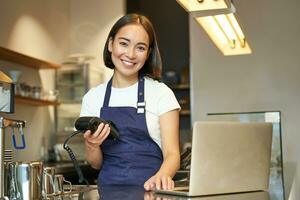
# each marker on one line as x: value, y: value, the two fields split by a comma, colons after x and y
x: 94, y: 140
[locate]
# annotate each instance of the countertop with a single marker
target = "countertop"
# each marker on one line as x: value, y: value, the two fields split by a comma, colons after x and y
x: 138, y: 193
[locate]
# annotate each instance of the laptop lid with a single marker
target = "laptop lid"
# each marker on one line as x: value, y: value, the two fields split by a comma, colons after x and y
x: 229, y: 157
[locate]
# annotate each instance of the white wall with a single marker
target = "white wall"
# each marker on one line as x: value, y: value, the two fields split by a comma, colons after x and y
x: 36, y: 28
x: 90, y: 23
x: 268, y: 79
x: 39, y: 29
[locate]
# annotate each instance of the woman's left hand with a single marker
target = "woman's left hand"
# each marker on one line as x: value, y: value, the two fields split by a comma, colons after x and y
x: 159, y: 182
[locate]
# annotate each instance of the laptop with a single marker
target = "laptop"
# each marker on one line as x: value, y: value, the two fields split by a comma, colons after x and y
x: 259, y: 195
x: 228, y: 157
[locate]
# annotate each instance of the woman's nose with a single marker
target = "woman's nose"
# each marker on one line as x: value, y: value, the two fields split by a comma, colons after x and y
x: 131, y: 53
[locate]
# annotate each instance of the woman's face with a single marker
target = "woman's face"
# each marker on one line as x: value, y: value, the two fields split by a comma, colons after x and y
x: 129, y: 50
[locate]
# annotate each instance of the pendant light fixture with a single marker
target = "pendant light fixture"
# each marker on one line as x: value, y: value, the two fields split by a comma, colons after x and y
x: 220, y: 23
x: 202, y: 5
x: 225, y: 31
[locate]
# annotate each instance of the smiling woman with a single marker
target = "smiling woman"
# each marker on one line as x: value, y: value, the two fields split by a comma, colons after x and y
x: 152, y: 67
x: 142, y: 108
x: 129, y: 50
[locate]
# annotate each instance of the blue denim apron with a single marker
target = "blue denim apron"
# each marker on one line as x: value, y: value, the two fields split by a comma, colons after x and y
x: 135, y: 157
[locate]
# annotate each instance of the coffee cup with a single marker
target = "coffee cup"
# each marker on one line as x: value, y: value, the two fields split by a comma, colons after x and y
x: 48, y: 181
x: 59, y: 181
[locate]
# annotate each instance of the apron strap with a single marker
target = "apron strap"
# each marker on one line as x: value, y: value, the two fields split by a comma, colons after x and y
x: 141, y: 104
x: 107, y: 93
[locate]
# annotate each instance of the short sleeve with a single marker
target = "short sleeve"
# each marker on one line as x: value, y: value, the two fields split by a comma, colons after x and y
x: 85, y: 108
x: 91, y: 103
x: 167, y: 100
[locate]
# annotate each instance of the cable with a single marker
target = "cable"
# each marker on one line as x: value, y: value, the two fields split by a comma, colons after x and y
x: 73, y: 158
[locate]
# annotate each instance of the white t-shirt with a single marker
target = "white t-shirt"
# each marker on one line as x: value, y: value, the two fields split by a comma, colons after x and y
x: 159, y: 99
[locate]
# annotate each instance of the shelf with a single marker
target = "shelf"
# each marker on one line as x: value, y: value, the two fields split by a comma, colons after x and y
x: 180, y: 87
x: 185, y: 112
x: 63, y: 101
x: 70, y: 84
x: 28, y: 61
x: 36, y: 102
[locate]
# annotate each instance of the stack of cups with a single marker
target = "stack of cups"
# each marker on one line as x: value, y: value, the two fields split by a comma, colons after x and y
x: 53, y: 184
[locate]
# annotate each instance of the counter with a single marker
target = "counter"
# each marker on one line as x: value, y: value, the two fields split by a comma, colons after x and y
x: 138, y: 193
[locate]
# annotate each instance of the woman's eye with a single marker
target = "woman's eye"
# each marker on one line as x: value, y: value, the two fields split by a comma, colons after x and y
x: 123, y: 43
x: 141, y: 48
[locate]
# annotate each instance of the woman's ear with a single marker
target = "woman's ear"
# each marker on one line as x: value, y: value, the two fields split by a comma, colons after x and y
x: 110, y: 41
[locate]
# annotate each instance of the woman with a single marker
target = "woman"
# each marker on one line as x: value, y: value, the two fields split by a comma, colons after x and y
x: 145, y: 112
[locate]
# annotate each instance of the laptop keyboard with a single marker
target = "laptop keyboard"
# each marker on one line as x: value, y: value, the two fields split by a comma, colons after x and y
x: 182, y: 183
x: 182, y: 190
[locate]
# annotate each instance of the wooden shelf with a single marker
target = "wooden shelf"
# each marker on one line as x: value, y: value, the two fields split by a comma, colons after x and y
x: 185, y: 112
x: 36, y: 102
x: 27, y: 61
x: 181, y: 87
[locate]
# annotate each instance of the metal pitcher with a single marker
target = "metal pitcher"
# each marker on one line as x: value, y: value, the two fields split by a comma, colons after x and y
x: 25, y: 180
x: 48, y: 187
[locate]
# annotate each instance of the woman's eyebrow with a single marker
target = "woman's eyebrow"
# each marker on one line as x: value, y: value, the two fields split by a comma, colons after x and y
x: 123, y: 38
x: 139, y: 43
x: 142, y: 43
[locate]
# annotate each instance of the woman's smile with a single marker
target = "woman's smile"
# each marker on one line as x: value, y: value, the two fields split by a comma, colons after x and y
x: 127, y: 63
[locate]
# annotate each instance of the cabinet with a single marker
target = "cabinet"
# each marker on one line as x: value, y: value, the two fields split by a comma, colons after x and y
x: 72, y: 82
x: 182, y: 93
x: 31, y: 62
x: 179, y: 83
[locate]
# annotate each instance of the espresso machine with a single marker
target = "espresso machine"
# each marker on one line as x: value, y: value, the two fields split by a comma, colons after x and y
x: 7, y: 106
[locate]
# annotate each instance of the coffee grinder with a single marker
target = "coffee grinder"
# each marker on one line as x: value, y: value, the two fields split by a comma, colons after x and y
x: 7, y: 94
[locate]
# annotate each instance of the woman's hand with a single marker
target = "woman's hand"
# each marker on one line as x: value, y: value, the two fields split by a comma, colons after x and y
x: 94, y: 140
x: 159, y: 182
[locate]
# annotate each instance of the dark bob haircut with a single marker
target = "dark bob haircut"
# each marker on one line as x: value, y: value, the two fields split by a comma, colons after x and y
x: 153, y: 64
